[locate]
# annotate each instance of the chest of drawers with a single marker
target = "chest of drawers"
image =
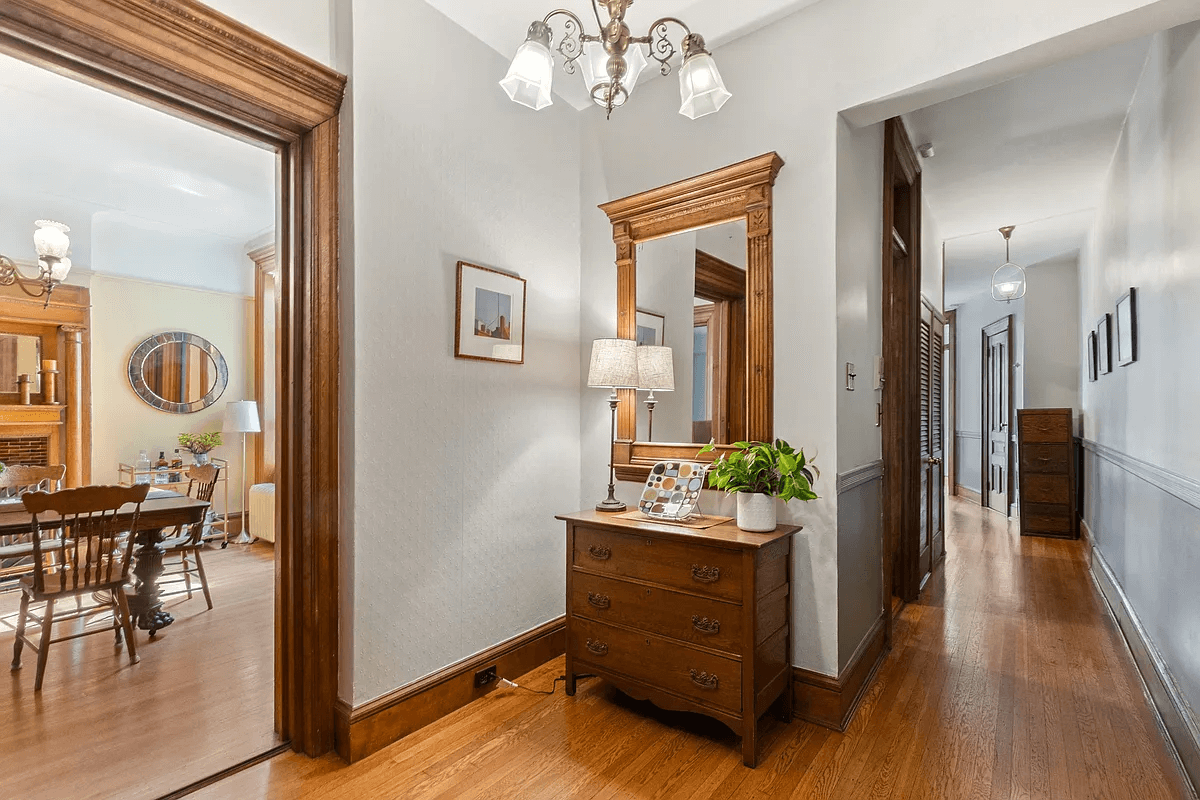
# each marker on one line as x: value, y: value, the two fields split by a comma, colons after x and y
x: 1045, y: 444
x: 691, y: 620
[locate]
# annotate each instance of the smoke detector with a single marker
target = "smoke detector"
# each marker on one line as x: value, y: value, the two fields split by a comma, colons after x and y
x: 926, y: 150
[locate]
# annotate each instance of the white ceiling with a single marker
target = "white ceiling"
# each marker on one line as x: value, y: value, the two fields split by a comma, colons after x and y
x: 502, y: 26
x: 146, y: 195
x: 1035, y: 149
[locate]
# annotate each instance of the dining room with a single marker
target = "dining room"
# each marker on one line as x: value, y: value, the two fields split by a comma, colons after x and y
x: 139, y: 300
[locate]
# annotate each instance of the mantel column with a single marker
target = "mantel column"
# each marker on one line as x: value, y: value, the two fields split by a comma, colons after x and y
x: 73, y: 395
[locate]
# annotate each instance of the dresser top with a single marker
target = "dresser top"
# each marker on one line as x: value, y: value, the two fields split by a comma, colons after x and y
x: 726, y: 534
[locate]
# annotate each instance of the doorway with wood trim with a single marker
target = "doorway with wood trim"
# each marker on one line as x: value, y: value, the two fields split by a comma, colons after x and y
x: 996, y: 401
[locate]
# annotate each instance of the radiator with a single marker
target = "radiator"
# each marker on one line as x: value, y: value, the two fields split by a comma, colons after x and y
x: 262, y: 511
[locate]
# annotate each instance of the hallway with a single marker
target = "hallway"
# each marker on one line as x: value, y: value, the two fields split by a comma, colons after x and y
x: 1007, y: 680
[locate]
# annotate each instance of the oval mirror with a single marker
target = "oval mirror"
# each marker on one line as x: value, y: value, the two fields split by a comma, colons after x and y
x: 177, y: 372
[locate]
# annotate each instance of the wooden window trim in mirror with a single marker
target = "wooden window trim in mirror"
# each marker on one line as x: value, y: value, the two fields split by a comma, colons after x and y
x: 740, y: 191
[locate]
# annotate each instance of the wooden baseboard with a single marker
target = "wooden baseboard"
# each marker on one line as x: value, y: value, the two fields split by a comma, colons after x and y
x: 363, y: 730
x: 970, y: 495
x: 831, y: 702
x: 1181, y: 730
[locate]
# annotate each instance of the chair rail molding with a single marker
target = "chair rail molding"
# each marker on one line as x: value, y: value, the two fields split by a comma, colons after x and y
x: 969, y: 435
x: 853, y: 478
x: 1180, y: 486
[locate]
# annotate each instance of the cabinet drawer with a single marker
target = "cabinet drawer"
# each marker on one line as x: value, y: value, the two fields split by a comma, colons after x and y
x: 1046, y: 458
x: 1046, y: 489
x: 694, y: 568
x: 699, y: 620
x: 1045, y: 428
x: 1047, y: 518
x: 657, y: 661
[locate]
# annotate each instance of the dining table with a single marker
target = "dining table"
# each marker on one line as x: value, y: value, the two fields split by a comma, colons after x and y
x: 162, y: 512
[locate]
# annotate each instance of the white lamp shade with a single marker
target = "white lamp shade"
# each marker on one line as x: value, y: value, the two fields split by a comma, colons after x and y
x: 594, y: 69
x: 614, y: 364
x: 51, y: 238
x: 1008, y: 282
x: 700, y: 87
x: 57, y: 268
x: 241, y: 416
x: 530, y: 76
x: 656, y: 369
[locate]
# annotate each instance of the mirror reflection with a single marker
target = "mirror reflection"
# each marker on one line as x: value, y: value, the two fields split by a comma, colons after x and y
x: 691, y: 297
x: 179, y: 372
x: 19, y: 354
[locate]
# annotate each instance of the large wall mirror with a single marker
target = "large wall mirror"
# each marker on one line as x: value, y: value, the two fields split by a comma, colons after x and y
x: 178, y: 372
x: 694, y: 273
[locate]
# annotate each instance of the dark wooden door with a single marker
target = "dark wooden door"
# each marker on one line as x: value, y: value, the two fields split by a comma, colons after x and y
x: 997, y: 415
x: 932, y: 334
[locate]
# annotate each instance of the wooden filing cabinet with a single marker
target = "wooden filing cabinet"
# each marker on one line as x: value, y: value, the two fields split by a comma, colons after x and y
x: 692, y: 620
x: 1046, y: 446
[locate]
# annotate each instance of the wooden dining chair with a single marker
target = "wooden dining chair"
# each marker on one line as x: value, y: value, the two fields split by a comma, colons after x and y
x: 187, y: 542
x: 90, y: 561
x: 17, y: 551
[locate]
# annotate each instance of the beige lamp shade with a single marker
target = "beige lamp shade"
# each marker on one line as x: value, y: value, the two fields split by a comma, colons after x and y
x: 656, y: 369
x: 614, y: 364
x: 241, y: 416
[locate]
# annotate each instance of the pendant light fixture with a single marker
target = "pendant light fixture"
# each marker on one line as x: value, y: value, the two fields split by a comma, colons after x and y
x: 612, y: 60
x: 1008, y: 281
x: 52, y: 244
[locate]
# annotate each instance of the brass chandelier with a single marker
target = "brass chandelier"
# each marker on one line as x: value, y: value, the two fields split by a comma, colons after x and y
x: 52, y: 244
x: 612, y: 61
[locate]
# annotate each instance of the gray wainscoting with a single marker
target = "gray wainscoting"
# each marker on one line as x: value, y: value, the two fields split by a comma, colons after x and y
x: 970, y: 454
x: 860, y: 541
x: 1145, y: 526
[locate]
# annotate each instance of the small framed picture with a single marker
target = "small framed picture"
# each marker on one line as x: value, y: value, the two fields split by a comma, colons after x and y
x: 489, y: 318
x: 1104, y: 345
x: 1093, y: 372
x: 1127, y: 328
x: 651, y: 328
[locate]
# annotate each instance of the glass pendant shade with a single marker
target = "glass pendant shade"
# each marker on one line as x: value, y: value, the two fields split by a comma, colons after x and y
x: 594, y: 69
x: 51, y: 239
x: 1008, y: 283
x: 700, y: 87
x: 530, y: 76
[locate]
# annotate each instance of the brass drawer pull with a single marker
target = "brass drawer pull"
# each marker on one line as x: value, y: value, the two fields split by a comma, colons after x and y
x: 704, y: 680
x: 599, y: 552
x: 706, y: 625
x: 706, y: 574
x: 599, y: 648
x: 599, y: 600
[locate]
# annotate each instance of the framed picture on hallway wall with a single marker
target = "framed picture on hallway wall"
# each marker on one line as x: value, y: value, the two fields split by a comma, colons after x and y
x: 489, y: 315
x: 1093, y: 372
x: 1104, y: 345
x: 651, y: 328
x: 1127, y: 328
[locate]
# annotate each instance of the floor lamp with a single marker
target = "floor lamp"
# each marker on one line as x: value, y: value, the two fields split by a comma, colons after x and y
x: 241, y: 416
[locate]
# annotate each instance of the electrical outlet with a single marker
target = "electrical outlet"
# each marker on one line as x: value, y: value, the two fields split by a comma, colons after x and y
x: 485, y: 677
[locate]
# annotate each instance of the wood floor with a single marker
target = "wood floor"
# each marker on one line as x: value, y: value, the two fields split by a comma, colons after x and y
x: 1008, y: 680
x: 200, y: 700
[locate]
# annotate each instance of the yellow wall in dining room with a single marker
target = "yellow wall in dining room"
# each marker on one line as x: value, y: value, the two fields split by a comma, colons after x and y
x: 124, y: 312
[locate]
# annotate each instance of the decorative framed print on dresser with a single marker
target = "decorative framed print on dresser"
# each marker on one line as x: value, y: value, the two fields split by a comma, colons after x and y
x: 691, y: 620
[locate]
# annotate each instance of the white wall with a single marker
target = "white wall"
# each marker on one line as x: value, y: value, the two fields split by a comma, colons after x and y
x: 460, y: 466
x: 666, y: 281
x: 1053, y: 357
x: 1146, y: 237
x: 126, y: 311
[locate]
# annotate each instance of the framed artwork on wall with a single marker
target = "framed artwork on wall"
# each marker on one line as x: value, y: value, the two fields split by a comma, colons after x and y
x: 651, y: 328
x: 1127, y: 328
x: 1093, y: 372
x: 1104, y: 345
x: 489, y: 315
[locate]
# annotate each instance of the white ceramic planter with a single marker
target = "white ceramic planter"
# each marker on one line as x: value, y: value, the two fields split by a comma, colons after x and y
x: 756, y: 512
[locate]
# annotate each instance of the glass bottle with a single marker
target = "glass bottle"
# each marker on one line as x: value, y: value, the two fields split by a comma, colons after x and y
x: 176, y: 468
x: 142, y: 468
x: 161, y: 466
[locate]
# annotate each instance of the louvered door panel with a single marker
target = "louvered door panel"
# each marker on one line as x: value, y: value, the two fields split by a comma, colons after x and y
x: 926, y: 379
x: 936, y: 356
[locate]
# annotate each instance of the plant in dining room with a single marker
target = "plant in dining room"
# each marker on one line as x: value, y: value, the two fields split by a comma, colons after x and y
x: 200, y: 444
x: 759, y: 473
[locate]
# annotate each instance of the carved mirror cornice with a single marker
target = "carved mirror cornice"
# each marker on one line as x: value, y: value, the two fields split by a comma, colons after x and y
x: 741, y: 191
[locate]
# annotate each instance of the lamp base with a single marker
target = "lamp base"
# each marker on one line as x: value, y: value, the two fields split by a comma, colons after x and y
x: 611, y: 505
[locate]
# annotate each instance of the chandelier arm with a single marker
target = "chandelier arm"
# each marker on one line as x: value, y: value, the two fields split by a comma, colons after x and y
x: 570, y: 45
x: 659, y: 46
x: 8, y: 271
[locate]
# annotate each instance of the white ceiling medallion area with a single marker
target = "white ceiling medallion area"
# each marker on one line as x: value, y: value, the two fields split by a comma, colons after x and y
x: 504, y: 26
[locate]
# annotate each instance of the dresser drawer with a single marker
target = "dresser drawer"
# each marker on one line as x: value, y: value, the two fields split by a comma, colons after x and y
x: 1047, y: 518
x: 699, y: 620
x: 1054, y: 489
x: 1046, y: 458
x: 694, y: 568
x: 657, y: 661
x: 1045, y: 428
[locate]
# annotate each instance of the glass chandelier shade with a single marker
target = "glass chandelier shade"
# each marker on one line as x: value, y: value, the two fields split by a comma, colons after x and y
x: 530, y: 76
x: 1008, y: 281
x: 50, y: 238
x: 52, y: 244
x: 594, y: 67
x: 701, y: 89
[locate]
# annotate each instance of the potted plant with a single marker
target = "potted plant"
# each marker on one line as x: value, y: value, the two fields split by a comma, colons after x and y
x: 199, y: 444
x: 758, y: 473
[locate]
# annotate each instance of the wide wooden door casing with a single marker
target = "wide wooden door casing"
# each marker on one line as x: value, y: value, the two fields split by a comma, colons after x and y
x: 997, y: 365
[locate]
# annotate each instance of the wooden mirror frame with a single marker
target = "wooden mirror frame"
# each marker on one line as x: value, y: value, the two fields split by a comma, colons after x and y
x: 740, y: 191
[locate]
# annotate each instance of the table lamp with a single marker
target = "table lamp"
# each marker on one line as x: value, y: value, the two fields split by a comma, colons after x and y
x: 241, y: 416
x: 614, y: 366
x: 656, y: 372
